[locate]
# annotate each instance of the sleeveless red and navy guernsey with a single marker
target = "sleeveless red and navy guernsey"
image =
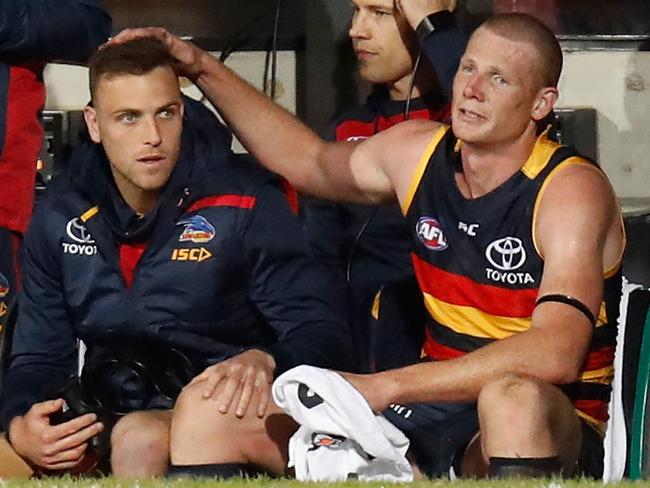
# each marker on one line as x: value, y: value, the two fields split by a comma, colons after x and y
x: 479, y: 269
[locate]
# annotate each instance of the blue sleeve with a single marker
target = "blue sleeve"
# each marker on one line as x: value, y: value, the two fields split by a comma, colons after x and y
x: 325, y: 232
x: 324, y: 227
x: 44, y: 350
x: 46, y: 30
x: 292, y: 290
x: 444, y: 48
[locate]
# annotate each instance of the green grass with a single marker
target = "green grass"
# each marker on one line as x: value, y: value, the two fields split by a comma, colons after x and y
x: 110, y: 482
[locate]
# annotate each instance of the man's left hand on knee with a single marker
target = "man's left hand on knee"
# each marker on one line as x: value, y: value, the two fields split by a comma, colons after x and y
x: 240, y: 382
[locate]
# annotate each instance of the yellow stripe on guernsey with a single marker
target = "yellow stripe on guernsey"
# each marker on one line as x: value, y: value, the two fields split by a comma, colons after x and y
x: 603, y: 376
x: 596, y: 424
x: 602, y: 314
x: 567, y: 162
x: 535, y: 164
x: 89, y: 214
x: 422, y: 166
x: 472, y: 322
x: 376, y: 306
x: 540, y: 156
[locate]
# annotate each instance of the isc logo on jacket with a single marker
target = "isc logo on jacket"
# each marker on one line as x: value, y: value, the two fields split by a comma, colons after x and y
x: 195, y: 254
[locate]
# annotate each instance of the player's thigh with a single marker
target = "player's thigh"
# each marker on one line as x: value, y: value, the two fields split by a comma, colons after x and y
x: 438, y: 433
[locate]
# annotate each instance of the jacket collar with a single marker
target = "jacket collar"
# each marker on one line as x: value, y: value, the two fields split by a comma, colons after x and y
x: 205, y: 143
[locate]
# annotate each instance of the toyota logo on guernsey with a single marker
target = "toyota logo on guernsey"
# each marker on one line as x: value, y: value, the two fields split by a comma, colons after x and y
x: 430, y: 233
x: 507, y: 255
x: 83, y: 244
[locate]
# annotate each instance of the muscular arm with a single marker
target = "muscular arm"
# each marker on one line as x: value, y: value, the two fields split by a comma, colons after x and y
x: 285, y: 145
x: 577, y: 248
x: 45, y: 30
x: 369, y: 172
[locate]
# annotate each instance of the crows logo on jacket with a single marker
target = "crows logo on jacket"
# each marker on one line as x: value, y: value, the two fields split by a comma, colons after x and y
x: 4, y: 286
x: 197, y: 229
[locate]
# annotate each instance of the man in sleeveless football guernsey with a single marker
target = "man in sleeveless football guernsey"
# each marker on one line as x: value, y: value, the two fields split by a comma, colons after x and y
x: 518, y: 245
x: 171, y: 262
x: 369, y: 247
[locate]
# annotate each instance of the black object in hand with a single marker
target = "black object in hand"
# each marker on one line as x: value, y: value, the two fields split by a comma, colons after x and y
x: 77, y: 403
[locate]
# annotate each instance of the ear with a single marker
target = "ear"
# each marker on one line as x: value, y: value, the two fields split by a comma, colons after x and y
x: 544, y: 103
x: 90, y: 116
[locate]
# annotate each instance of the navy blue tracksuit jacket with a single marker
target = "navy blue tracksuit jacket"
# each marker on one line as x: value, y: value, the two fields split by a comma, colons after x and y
x: 223, y: 269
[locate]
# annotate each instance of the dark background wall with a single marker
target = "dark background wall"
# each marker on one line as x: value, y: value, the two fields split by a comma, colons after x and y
x: 315, y: 29
x: 332, y: 81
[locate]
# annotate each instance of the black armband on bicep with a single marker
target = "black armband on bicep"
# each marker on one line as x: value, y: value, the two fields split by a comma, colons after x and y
x: 572, y: 302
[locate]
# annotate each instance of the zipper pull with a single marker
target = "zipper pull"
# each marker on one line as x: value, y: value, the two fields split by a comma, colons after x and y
x: 181, y: 200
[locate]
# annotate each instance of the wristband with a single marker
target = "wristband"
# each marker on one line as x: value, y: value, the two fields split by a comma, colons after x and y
x: 437, y: 21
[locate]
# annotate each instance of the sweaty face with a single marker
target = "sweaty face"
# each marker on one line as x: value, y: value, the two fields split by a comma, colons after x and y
x: 495, y: 94
x: 380, y: 36
x: 138, y: 120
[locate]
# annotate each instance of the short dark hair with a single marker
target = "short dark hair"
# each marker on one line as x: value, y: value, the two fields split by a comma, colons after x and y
x: 526, y: 28
x: 137, y: 57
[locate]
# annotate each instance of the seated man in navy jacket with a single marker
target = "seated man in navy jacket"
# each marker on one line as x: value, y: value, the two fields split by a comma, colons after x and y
x: 165, y: 258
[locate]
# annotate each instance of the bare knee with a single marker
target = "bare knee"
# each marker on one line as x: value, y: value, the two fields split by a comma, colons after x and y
x: 516, y: 401
x: 521, y: 416
x: 140, y: 444
x: 200, y: 434
x: 196, y: 414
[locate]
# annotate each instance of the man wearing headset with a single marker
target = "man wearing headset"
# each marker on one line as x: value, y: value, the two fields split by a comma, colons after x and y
x: 368, y: 247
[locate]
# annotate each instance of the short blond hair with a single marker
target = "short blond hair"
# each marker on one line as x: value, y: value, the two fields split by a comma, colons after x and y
x: 526, y: 28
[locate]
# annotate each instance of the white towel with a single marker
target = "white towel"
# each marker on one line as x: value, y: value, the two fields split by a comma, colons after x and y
x: 340, y: 437
x: 615, y: 442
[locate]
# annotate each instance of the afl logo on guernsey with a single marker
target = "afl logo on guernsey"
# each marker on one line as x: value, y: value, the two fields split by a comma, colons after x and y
x: 430, y: 233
